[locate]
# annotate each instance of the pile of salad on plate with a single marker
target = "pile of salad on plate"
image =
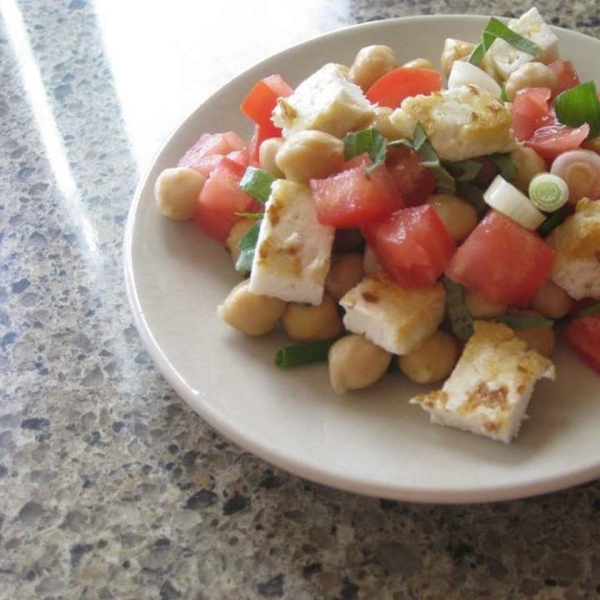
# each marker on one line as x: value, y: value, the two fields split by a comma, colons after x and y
x: 444, y: 219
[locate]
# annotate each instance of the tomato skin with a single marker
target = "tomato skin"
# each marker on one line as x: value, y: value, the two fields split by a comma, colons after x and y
x: 258, y: 137
x: 414, y: 182
x: 401, y: 83
x: 552, y: 140
x: 210, y: 144
x: 530, y: 111
x: 566, y: 74
x: 583, y: 335
x: 352, y: 198
x: 412, y: 245
x: 502, y: 261
x: 262, y: 99
x: 221, y: 198
x: 535, y: 123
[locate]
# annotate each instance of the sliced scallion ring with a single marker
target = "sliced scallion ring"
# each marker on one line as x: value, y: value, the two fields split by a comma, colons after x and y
x: 507, y: 199
x: 548, y: 192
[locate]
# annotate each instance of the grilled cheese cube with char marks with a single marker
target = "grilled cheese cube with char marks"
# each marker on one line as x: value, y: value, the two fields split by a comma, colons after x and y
x: 506, y: 59
x: 293, y: 251
x: 490, y: 387
x: 326, y: 101
x: 576, y: 244
x: 461, y: 123
x: 393, y: 317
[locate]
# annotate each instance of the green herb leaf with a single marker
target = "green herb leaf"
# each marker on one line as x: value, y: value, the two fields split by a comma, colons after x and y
x: 496, y: 29
x: 257, y: 183
x: 370, y: 141
x: 429, y: 159
x: 464, y: 170
x: 505, y: 164
x: 303, y: 354
x: 247, y: 249
x: 579, y: 105
x: 473, y: 195
x: 553, y: 221
x: 461, y: 320
x: 518, y: 322
x: 590, y: 310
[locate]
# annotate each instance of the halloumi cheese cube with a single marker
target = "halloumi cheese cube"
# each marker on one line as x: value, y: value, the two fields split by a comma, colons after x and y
x: 325, y: 101
x: 506, y: 59
x: 491, y: 385
x: 576, y: 244
x: 393, y: 317
x: 461, y: 123
x: 293, y: 251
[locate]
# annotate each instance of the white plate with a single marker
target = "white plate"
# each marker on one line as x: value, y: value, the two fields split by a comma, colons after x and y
x: 372, y: 442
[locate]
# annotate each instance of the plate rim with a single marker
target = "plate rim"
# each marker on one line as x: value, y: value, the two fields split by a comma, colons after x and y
x: 412, y: 493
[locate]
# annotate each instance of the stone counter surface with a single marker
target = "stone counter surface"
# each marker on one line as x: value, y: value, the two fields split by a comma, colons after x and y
x: 110, y: 487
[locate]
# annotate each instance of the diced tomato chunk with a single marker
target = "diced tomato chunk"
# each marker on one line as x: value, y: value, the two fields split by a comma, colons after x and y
x: 566, y: 74
x: 262, y: 99
x: 401, y: 83
x: 535, y: 123
x: 414, y: 182
x: 258, y: 137
x: 353, y: 197
x: 502, y: 261
x: 583, y: 335
x: 210, y: 144
x: 530, y: 111
x: 412, y: 245
x: 207, y: 164
x: 552, y: 140
x: 221, y: 198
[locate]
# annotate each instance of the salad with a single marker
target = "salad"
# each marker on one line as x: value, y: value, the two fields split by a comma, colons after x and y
x: 444, y: 222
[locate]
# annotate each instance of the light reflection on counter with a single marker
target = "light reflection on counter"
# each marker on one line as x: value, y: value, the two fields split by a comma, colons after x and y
x: 164, y: 68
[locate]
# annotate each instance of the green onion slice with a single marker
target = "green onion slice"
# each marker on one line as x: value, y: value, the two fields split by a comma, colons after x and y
x: 257, y: 183
x: 521, y: 323
x: 461, y: 319
x: 553, y: 221
x: 370, y: 141
x: 250, y: 215
x: 590, y: 310
x: 303, y: 354
x: 247, y: 248
x: 579, y: 105
x: 548, y: 192
x: 496, y: 29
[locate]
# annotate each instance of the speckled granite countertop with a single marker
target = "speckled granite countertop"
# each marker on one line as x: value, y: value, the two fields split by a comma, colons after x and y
x: 109, y: 486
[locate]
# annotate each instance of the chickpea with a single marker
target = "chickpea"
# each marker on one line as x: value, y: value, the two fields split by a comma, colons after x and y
x: 238, y: 231
x: 346, y: 271
x: 540, y: 339
x: 432, y: 360
x: 418, y: 63
x: 482, y: 308
x: 176, y: 192
x: 529, y: 164
x: 383, y: 124
x: 266, y: 156
x: 454, y: 50
x: 459, y: 217
x: 370, y: 64
x: 531, y: 74
x: 309, y: 155
x: 356, y: 363
x: 552, y: 301
x: 308, y: 323
x: 250, y: 313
